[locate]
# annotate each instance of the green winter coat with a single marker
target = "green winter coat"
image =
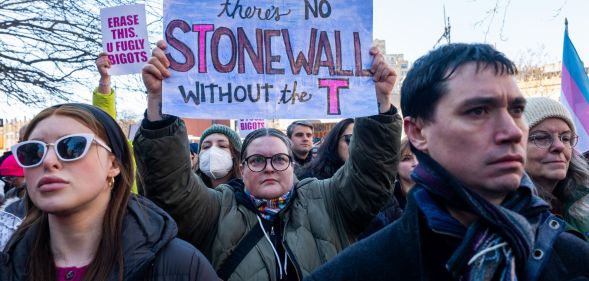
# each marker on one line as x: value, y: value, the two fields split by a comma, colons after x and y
x: 321, y: 219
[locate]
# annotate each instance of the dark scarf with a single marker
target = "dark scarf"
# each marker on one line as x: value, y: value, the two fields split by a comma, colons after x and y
x: 506, y: 230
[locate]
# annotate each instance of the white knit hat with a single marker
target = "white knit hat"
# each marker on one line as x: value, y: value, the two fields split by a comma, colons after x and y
x: 539, y: 109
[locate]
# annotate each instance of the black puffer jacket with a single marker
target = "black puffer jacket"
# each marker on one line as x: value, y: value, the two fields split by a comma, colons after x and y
x: 150, y: 249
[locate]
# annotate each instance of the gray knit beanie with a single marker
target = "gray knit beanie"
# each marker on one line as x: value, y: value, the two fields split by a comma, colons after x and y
x: 539, y: 109
x: 231, y: 135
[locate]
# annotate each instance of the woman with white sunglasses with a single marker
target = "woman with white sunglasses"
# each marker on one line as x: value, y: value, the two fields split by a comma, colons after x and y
x: 82, y: 222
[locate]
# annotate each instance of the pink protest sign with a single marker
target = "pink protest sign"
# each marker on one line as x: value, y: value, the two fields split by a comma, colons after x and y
x: 247, y: 126
x: 124, y: 38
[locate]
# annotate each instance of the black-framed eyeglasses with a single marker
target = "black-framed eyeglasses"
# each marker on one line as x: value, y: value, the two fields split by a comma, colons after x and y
x: 545, y: 140
x: 347, y: 138
x: 257, y: 162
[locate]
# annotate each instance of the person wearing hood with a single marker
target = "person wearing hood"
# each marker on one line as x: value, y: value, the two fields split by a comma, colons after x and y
x: 82, y: 222
x: 267, y: 225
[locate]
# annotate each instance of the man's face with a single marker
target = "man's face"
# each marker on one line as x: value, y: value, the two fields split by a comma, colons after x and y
x: 478, y: 133
x: 302, y: 140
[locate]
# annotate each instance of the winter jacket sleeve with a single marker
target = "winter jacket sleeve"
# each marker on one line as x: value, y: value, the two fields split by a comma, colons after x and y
x: 163, y: 163
x: 577, y: 214
x: 181, y: 261
x: 105, y: 102
x: 358, y: 190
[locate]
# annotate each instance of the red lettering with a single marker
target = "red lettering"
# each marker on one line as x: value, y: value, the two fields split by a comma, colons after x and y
x: 295, y: 67
x: 324, y: 46
x: 243, y: 44
x: 223, y: 68
x: 268, y: 34
x: 178, y: 45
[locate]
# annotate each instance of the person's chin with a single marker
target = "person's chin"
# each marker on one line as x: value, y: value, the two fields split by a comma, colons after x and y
x: 271, y: 190
x: 52, y: 207
x: 559, y: 174
x: 508, y: 182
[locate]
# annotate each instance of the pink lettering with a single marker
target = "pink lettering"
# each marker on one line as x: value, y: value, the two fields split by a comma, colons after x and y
x: 333, y: 86
x: 202, y: 30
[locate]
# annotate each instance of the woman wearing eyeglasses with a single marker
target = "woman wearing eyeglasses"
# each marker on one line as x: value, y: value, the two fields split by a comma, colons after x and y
x: 268, y: 225
x: 559, y: 172
x: 81, y: 222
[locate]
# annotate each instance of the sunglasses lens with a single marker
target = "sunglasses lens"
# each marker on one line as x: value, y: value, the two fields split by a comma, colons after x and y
x: 71, y: 148
x: 30, y: 154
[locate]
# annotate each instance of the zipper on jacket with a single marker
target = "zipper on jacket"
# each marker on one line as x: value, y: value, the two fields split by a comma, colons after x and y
x: 292, y: 259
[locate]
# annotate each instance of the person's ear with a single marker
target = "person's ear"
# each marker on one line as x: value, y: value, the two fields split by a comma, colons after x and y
x: 114, y: 170
x: 414, y: 130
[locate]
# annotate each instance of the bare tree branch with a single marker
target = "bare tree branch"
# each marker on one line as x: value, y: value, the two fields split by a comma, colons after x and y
x: 48, y: 47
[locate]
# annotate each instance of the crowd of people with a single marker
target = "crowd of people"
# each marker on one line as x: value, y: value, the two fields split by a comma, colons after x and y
x: 485, y: 185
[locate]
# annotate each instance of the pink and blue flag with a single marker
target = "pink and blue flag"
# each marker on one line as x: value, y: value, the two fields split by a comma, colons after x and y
x: 575, y: 90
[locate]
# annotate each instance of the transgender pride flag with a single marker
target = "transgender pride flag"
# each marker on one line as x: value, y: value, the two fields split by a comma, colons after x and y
x: 575, y: 90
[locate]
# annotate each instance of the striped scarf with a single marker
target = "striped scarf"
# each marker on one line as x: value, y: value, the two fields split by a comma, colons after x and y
x: 499, y: 242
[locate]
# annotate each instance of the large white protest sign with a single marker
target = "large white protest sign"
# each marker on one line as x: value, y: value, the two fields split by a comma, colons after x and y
x: 247, y: 126
x: 124, y: 38
x: 233, y: 59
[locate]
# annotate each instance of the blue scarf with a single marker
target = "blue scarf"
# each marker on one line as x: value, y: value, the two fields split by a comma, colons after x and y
x: 499, y: 242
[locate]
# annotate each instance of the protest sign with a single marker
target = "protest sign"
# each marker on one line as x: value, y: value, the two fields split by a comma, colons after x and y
x: 133, y: 128
x: 247, y: 126
x: 232, y: 59
x: 124, y: 38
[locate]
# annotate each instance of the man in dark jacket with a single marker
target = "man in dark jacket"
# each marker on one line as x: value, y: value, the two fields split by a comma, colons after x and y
x: 472, y: 214
x: 300, y: 134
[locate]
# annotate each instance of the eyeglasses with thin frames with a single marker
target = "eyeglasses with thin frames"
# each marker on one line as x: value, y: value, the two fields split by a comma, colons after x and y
x: 544, y: 139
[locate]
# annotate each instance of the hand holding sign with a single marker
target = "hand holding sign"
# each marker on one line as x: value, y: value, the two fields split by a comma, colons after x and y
x: 124, y: 38
x: 157, y: 69
x: 103, y: 65
x: 253, y: 59
x: 153, y: 73
x: 384, y: 77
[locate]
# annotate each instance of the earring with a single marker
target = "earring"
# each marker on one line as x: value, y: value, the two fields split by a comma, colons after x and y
x: 111, y: 182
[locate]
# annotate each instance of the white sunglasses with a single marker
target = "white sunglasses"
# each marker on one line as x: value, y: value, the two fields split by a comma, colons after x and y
x: 31, y: 153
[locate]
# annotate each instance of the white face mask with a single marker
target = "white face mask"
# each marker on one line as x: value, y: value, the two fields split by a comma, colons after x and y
x: 215, y: 162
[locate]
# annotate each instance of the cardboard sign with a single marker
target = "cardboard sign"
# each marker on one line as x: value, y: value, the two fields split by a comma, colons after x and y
x: 124, y: 38
x: 247, y: 126
x: 302, y: 59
